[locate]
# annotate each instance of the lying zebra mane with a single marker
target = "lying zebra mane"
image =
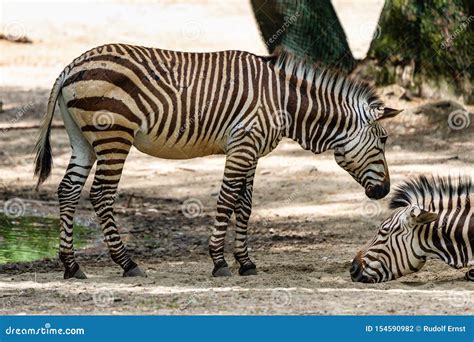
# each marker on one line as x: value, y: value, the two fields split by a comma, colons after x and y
x: 423, y: 190
x: 345, y: 85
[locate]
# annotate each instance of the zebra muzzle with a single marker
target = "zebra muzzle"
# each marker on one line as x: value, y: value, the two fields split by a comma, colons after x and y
x: 357, y: 271
x: 377, y: 191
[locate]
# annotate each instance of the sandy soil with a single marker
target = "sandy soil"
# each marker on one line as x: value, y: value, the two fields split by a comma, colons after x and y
x: 309, y: 216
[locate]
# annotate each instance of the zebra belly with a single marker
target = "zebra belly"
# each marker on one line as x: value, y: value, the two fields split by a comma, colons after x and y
x: 162, y: 148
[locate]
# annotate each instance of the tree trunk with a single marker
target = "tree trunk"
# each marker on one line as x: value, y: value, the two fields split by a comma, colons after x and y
x: 308, y: 28
x: 425, y: 47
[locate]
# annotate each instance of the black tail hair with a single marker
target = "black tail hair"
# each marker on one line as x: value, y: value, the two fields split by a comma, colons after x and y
x: 44, y: 157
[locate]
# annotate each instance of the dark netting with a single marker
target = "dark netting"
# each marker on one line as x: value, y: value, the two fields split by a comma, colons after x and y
x: 308, y: 28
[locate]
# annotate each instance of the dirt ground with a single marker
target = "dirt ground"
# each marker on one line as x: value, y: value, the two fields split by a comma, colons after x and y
x: 309, y: 216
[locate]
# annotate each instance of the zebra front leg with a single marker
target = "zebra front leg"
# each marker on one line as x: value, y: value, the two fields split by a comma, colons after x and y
x: 242, y: 215
x: 236, y: 168
x: 69, y: 193
x: 102, y: 195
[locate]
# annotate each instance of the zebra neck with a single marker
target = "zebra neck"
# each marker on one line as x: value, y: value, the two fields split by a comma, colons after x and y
x: 316, y: 125
x: 452, y: 237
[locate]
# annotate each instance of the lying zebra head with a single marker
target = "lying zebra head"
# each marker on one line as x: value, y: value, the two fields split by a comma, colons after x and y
x: 395, y: 249
x: 363, y: 155
x: 431, y: 218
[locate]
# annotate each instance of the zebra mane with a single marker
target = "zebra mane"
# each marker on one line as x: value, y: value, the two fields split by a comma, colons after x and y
x: 303, y: 69
x: 422, y: 189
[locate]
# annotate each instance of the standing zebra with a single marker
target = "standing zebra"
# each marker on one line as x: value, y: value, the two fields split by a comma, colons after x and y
x: 180, y: 105
x: 433, y: 218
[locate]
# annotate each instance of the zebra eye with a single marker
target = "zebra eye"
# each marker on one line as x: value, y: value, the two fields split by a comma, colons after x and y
x: 384, y: 139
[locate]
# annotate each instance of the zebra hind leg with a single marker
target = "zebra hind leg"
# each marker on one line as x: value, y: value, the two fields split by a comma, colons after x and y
x: 469, y: 275
x: 102, y: 195
x: 69, y: 193
x: 242, y: 215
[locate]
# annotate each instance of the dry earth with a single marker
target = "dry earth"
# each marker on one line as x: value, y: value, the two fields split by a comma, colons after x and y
x: 309, y: 216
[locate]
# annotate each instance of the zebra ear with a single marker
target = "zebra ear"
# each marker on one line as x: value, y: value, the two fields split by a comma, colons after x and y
x: 420, y: 216
x: 389, y: 113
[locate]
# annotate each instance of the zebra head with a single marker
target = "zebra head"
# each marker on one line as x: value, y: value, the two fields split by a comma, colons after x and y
x: 362, y: 154
x: 395, y: 249
x: 344, y: 115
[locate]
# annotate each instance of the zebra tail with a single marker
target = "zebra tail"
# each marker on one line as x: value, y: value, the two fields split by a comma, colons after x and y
x: 44, y: 157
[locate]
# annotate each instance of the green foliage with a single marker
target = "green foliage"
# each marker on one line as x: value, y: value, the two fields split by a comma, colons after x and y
x: 29, y: 238
x: 437, y: 37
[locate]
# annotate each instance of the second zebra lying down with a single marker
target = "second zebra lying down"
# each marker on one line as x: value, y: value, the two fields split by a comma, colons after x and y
x: 432, y: 218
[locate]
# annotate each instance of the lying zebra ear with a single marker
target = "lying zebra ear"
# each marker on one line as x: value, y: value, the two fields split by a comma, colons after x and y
x: 389, y: 113
x: 420, y: 216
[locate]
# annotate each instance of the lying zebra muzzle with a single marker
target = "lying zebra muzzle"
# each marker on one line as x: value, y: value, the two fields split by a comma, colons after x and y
x: 356, y: 274
x: 357, y: 271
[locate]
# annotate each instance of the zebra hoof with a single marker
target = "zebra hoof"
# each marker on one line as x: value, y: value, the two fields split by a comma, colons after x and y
x: 248, y: 269
x: 469, y: 275
x: 221, y: 269
x: 222, y: 272
x: 134, y: 272
x: 78, y: 274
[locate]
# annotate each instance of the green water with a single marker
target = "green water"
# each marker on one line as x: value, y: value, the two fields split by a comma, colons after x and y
x: 30, y: 238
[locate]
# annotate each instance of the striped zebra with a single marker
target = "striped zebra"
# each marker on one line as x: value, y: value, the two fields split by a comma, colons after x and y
x: 180, y: 105
x: 432, y: 218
